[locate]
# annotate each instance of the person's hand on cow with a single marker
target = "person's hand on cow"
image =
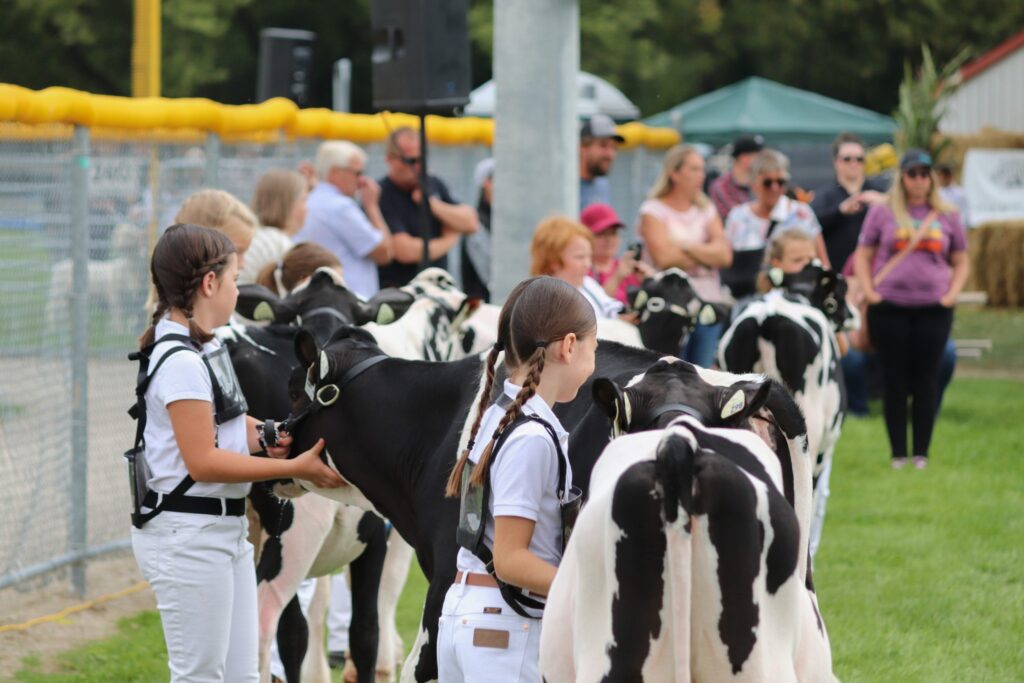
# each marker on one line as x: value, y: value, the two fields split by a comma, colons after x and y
x: 310, y: 467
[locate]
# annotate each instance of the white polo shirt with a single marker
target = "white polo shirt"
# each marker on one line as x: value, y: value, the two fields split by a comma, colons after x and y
x: 184, y: 377
x: 524, y: 480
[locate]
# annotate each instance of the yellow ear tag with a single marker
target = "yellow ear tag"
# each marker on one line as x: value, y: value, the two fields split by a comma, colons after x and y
x: 263, y: 311
x: 385, y: 314
x: 324, y: 365
x: 734, y: 405
x: 707, y: 315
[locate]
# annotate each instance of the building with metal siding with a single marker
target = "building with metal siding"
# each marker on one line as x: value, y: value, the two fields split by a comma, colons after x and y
x: 991, y: 93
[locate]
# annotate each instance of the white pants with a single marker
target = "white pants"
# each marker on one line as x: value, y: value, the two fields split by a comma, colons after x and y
x: 339, y: 615
x: 201, y: 569
x: 477, y: 646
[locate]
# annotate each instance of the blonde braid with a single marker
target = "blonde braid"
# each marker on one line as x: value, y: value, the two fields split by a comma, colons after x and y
x: 452, y: 488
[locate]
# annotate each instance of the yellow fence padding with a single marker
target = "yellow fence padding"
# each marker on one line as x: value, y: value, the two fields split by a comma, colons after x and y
x: 49, y: 109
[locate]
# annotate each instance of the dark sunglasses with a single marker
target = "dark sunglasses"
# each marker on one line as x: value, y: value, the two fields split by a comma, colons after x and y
x: 920, y: 172
x: 859, y: 160
x: 410, y: 161
x: 768, y: 182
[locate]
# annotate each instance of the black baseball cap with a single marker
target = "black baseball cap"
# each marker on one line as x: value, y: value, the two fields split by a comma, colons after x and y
x: 746, y: 144
x: 600, y: 126
x: 913, y: 158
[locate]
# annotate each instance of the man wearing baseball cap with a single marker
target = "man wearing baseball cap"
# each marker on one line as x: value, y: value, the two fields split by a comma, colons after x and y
x: 598, y: 144
x: 733, y: 188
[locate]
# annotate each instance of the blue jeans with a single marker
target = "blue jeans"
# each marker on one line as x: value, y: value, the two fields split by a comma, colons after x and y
x: 858, y: 365
x: 702, y: 344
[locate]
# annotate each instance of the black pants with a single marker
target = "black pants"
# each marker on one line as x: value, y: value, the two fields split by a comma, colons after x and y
x: 909, y: 341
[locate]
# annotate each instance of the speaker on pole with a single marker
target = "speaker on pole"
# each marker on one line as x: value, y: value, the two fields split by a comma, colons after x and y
x: 420, y: 55
x: 286, y: 65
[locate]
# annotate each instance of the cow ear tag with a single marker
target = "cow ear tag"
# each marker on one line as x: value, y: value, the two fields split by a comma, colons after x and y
x: 263, y: 311
x: 385, y: 314
x: 734, y: 404
x: 775, y: 275
x: 327, y: 394
x: 707, y: 315
x: 324, y: 365
x: 640, y: 300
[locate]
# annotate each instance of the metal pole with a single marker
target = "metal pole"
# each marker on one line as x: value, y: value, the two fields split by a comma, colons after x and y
x: 426, y: 231
x: 536, y: 142
x: 78, y: 481
x: 211, y: 173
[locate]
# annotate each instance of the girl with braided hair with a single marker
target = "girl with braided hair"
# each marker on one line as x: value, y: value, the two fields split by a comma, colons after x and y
x: 515, y: 484
x: 190, y: 536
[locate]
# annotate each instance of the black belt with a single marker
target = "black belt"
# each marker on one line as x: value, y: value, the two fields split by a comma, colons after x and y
x: 232, y: 507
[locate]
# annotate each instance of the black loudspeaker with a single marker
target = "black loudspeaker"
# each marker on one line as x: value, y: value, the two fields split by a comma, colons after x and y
x: 420, y: 55
x: 286, y: 65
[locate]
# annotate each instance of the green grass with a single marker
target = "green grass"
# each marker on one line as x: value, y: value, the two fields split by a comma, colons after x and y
x: 1004, y: 326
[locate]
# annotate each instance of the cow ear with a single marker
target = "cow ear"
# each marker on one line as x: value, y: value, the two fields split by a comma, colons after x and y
x: 306, y: 350
x: 610, y: 397
x: 741, y: 400
x: 388, y: 305
x: 258, y: 303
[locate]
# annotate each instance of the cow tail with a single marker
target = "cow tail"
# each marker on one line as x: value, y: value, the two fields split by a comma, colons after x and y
x: 675, y: 466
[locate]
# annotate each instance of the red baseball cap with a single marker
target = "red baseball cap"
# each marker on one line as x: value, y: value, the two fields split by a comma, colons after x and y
x: 600, y: 217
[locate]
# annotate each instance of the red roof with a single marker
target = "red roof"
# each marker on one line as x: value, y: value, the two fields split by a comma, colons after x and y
x: 993, y: 56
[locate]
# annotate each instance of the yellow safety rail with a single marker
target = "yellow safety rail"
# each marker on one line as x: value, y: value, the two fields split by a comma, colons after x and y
x: 48, y: 112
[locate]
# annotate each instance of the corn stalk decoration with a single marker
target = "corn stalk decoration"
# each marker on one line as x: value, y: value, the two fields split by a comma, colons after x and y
x: 922, y: 103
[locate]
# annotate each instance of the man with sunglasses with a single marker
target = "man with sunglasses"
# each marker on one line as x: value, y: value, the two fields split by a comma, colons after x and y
x: 841, y: 206
x: 343, y: 214
x: 400, y: 200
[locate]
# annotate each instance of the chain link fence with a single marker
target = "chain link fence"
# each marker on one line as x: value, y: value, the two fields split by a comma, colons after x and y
x: 77, y: 219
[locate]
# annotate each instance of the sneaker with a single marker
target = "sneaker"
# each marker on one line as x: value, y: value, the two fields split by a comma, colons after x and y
x: 899, y: 463
x: 920, y: 462
x: 336, y: 660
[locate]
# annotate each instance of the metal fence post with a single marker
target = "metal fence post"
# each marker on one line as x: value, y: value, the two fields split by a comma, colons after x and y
x: 78, y: 481
x: 212, y: 172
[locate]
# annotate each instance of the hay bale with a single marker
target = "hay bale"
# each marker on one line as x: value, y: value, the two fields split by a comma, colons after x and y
x: 997, y: 261
x: 987, y: 138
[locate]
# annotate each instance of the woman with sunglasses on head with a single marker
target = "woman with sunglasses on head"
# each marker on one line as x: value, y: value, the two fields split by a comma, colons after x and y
x: 911, y: 263
x: 750, y: 226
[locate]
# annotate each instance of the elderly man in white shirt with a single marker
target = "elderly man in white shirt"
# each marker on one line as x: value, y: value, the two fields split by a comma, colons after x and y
x: 358, y: 235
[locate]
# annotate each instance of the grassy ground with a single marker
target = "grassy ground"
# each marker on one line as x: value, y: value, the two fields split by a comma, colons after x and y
x: 919, y: 576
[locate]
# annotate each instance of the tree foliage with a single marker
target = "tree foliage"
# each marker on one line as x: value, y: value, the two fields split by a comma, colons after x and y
x: 659, y: 52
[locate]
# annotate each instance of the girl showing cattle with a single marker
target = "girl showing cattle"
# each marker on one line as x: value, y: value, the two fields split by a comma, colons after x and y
x: 190, y: 529
x: 517, y: 502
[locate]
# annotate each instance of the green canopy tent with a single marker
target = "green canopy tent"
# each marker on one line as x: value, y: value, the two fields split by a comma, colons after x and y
x: 782, y: 114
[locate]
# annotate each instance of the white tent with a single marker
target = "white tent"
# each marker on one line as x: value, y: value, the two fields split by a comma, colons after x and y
x: 595, y: 96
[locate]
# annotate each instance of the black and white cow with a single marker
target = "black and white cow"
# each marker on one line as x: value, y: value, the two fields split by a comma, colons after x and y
x: 393, y: 432
x: 669, y: 308
x: 786, y: 336
x: 684, y: 566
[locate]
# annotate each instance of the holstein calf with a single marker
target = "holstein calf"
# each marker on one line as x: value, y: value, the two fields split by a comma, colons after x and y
x: 393, y: 428
x: 669, y: 308
x: 783, y: 335
x: 684, y: 566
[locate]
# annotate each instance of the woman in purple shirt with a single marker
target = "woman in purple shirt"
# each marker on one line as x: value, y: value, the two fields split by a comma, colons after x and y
x: 911, y: 262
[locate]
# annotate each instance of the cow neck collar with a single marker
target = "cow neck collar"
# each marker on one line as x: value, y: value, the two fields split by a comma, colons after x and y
x: 321, y: 398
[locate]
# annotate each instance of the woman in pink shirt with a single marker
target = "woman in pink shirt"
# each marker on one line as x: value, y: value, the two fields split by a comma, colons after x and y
x: 911, y: 263
x: 681, y: 228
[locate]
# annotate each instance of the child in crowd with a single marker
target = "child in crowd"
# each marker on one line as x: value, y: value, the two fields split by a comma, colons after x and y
x: 298, y: 264
x: 517, y: 499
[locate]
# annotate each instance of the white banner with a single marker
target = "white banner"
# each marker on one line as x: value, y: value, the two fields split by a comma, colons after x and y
x: 994, y: 183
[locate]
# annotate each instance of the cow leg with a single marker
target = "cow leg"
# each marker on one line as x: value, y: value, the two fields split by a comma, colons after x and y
x: 314, y: 664
x: 421, y: 665
x: 396, y: 572
x: 366, y: 570
x: 292, y: 638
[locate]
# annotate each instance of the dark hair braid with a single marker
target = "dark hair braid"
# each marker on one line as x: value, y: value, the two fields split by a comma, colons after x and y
x: 452, y: 488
